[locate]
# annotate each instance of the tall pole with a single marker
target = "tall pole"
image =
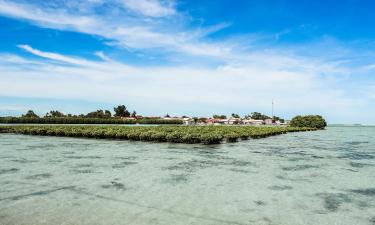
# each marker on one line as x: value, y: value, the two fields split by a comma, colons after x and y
x: 272, y: 109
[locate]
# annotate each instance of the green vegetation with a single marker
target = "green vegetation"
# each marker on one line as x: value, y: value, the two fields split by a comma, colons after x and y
x: 121, y: 111
x: 54, y: 113
x: 30, y: 114
x: 234, y: 115
x: 258, y: 116
x: 99, y: 114
x: 121, y: 116
x: 219, y: 116
x: 85, y: 120
x: 314, y: 121
x: 174, y: 134
x: 276, y: 118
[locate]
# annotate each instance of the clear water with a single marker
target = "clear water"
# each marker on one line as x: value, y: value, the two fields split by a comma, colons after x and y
x: 323, y: 177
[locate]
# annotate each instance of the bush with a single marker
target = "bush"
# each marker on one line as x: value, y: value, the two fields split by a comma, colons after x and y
x: 312, y: 121
x: 174, y: 134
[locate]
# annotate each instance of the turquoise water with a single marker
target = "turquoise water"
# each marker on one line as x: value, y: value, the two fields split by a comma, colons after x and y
x: 322, y: 177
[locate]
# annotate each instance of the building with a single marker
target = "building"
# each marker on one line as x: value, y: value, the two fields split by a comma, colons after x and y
x: 128, y: 118
x: 268, y: 121
x: 215, y: 121
x: 224, y: 121
x: 234, y: 120
x: 188, y: 121
x: 253, y: 122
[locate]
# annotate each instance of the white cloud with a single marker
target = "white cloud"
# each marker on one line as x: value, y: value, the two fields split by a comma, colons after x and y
x: 367, y: 68
x: 245, y: 80
x: 50, y: 17
x: 102, y: 56
x: 54, y: 56
x: 181, y: 90
x: 11, y: 108
x: 153, y: 8
x: 127, y: 31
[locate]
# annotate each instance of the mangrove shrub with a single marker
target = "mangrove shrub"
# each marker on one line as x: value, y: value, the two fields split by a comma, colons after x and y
x: 313, y: 121
x: 173, y: 134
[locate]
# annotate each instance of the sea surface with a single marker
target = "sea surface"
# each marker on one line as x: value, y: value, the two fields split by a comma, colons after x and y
x: 319, y: 178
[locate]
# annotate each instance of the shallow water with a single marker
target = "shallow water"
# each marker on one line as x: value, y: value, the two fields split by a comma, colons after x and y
x: 322, y: 177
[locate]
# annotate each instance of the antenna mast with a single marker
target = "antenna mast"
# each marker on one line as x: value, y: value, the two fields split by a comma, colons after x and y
x: 273, y: 110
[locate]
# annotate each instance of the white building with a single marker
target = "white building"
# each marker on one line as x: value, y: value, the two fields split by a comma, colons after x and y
x: 234, y: 120
x: 252, y: 122
x: 224, y: 121
x: 188, y: 121
x: 268, y: 121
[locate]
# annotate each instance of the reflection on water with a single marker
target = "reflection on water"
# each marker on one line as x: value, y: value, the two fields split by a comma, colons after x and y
x: 323, y: 177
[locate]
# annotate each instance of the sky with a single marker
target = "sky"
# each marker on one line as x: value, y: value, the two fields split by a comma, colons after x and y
x: 189, y: 57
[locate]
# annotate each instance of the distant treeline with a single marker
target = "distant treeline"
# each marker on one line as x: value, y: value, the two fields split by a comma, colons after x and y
x: 83, y: 120
x: 121, y: 116
x: 120, y: 111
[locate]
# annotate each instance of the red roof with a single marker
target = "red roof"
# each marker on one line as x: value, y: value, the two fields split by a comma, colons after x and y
x: 212, y: 120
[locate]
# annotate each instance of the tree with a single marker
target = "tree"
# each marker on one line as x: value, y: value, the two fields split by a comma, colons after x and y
x: 54, y: 113
x: 219, y: 116
x: 313, y: 121
x: 134, y: 114
x: 276, y: 118
x: 167, y: 116
x: 258, y: 116
x: 121, y: 111
x: 107, y: 114
x: 95, y: 114
x: 30, y: 114
x: 235, y: 115
x: 99, y: 114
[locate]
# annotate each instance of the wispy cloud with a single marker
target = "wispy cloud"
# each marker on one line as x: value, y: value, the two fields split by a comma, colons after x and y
x: 153, y: 8
x: 58, y: 18
x: 125, y: 30
x: 55, y: 56
x: 240, y: 88
x: 368, y: 67
x: 243, y: 77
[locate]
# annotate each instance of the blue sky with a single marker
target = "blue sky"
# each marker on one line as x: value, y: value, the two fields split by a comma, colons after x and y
x: 189, y: 57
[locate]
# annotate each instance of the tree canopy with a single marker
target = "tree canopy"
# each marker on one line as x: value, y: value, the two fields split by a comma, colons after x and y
x: 219, y: 116
x: 30, y: 114
x: 134, y: 114
x: 234, y: 115
x: 99, y: 114
x: 54, y: 113
x: 313, y: 121
x: 276, y: 118
x: 258, y: 116
x: 121, y: 111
